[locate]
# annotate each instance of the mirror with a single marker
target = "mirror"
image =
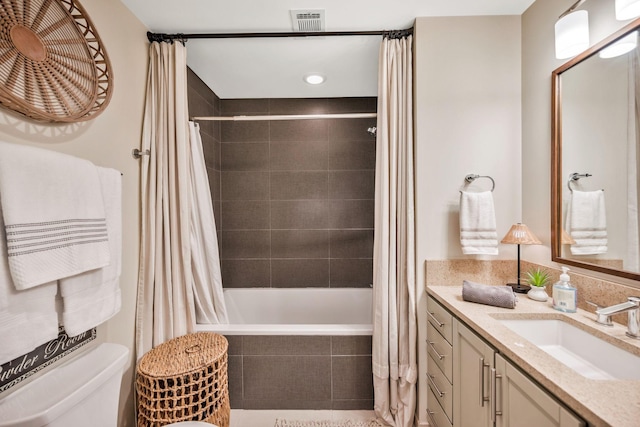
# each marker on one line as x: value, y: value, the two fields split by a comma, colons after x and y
x: 595, y: 190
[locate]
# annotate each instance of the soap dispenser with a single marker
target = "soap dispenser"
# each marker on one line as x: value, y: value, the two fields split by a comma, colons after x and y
x: 565, y: 296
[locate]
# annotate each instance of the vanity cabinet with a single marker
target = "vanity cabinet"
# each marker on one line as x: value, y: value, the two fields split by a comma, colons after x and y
x: 473, y: 360
x: 439, y: 365
x: 481, y: 388
x: 522, y: 403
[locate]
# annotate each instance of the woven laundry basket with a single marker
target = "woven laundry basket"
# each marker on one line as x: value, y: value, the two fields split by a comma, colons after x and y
x: 184, y: 379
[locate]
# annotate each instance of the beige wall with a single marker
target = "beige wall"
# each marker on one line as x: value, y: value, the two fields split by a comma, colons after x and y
x: 467, y: 110
x: 107, y: 141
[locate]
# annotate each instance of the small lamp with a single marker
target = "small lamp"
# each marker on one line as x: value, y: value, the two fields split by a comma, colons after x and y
x: 519, y: 234
x: 566, y: 239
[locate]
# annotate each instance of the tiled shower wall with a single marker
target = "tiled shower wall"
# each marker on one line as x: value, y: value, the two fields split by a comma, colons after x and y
x: 294, y: 199
x: 293, y: 202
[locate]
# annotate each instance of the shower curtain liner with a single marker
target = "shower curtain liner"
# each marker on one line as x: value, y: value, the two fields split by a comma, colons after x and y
x: 394, y: 287
x: 179, y: 274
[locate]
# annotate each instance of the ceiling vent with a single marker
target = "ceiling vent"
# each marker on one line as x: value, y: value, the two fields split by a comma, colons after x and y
x: 308, y: 20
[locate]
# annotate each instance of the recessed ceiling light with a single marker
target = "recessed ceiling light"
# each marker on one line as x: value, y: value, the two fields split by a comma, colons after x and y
x: 314, y: 79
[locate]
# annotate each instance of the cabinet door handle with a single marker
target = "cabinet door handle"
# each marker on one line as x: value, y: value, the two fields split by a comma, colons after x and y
x: 439, y: 323
x: 481, y: 366
x: 440, y: 356
x: 431, y: 414
x: 494, y: 395
x: 434, y: 386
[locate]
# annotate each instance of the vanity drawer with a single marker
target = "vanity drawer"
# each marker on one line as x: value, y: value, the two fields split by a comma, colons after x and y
x: 440, y: 387
x: 441, y: 352
x: 440, y: 318
x: 437, y: 417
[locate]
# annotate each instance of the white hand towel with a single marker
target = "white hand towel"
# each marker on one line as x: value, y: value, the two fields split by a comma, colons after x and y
x: 93, y: 297
x: 27, y: 318
x: 587, y: 222
x: 478, y: 224
x: 53, y: 214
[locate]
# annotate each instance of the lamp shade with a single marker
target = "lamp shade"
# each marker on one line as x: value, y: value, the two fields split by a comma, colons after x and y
x: 519, y: 234
x: 622, y: 46
x: 627, y: 9
x: 572, y: 34
x: 566, y: 239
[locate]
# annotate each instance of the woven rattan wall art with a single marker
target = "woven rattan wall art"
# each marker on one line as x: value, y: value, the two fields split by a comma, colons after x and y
x: 53, y: 66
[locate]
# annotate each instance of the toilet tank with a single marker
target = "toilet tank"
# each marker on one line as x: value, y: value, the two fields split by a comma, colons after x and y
x: 81, y: 392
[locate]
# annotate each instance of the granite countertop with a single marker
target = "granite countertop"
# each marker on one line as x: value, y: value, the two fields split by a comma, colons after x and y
x: 599, y: 402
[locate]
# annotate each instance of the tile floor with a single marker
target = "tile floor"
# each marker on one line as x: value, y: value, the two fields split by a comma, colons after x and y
x: 267, y: 418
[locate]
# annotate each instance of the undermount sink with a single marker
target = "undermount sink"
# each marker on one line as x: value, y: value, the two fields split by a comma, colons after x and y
x: 587, y: 354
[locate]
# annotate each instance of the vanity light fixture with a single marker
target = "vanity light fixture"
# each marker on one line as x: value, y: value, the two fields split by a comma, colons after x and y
x: 622, y: 46
x: 572, y: 32
x: 572, y: 29
x: 314, y: 79
x: 627, y: 9
x: 519, y: 234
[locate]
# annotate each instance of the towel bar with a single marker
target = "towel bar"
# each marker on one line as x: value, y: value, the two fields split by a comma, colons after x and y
x: 472, y: 177
x: 575, y: 177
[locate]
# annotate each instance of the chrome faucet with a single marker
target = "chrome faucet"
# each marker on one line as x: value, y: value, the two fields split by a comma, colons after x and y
x: 631, y: 306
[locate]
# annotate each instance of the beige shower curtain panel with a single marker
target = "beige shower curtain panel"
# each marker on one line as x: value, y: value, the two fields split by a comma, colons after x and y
x: 168, y: 282
x: 394, y: 324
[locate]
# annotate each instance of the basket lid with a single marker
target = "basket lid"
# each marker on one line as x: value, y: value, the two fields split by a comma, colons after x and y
x: 183, y: 354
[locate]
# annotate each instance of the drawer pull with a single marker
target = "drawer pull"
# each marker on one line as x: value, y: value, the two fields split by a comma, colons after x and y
x: 434, y: 386
x: 431, y: 414
x: 439, y: 323
x: 481, y: 366
x: 440, y: 356
x: 494, y: 395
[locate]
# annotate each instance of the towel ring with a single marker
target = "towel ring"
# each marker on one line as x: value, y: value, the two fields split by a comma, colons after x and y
x: 472, y: 177
x: 575, y: 177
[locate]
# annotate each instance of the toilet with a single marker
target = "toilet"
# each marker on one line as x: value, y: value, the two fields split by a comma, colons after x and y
x: 82, y: 392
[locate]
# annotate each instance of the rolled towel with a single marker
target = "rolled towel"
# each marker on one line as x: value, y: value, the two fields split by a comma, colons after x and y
x: 499, y: 296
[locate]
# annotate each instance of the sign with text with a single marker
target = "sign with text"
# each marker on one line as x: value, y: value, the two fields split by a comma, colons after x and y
x: 22, y: 367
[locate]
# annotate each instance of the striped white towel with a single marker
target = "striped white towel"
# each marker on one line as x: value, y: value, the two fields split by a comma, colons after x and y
x: 54, y: 215
x: 478, y: 234
x: 587, y: 222
x: 93, y: 297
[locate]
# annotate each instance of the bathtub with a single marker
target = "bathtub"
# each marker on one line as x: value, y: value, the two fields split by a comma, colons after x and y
x: 300, y: 348
x: 296, y: 311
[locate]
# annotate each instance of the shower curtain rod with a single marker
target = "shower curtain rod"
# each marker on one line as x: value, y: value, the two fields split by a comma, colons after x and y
x: 160, y: 37
x: 287, y: 117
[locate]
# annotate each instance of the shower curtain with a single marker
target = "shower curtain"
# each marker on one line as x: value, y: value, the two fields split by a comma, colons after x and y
x: 394, y: 324
x: 177, y: 283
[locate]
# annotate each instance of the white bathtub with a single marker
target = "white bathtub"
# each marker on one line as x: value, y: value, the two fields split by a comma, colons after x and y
x: 297, y: 311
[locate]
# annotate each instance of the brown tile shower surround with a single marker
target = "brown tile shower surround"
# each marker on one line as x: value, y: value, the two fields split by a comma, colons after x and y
x: 293, y: 202
x: 300, y: 372
x: 293, y: 199
x: 499, y: 272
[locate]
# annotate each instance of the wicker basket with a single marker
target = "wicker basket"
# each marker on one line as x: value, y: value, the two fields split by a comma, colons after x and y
x: 184, y: 379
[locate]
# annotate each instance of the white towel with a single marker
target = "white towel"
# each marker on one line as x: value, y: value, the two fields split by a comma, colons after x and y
x: 587, y: 222
x: 93, y: 297
x: 478, y: 224
x: 27, y: 318
x: 53, y: 213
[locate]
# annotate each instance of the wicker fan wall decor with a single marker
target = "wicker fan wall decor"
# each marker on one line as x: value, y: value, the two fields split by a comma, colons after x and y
x: 53, y: 66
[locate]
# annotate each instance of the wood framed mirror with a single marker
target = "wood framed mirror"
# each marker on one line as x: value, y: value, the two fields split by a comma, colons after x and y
x: 595, y: 159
